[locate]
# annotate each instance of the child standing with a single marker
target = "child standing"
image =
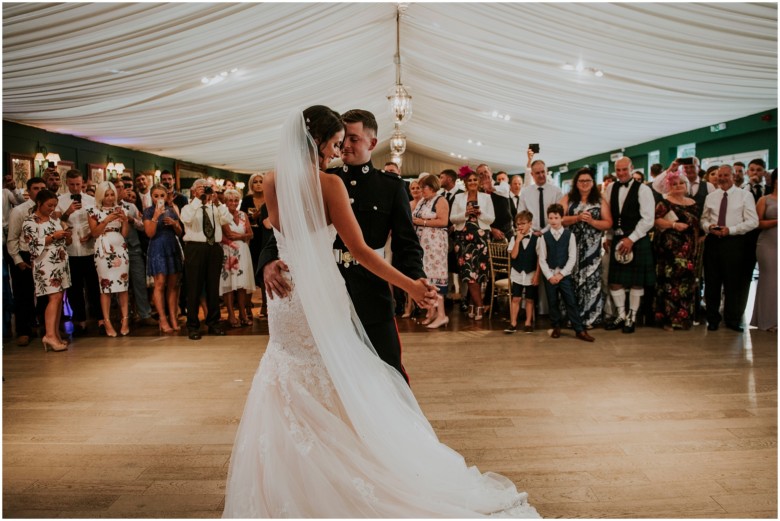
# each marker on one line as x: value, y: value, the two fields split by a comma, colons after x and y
x: 557, y: 256
x: 525, y: 272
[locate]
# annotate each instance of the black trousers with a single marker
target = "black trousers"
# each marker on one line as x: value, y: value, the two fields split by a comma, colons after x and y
x: 724, y: 268
x: 384, y: 338
x: 83, y: 280
x: 24, y: 297
x: 204, y: 267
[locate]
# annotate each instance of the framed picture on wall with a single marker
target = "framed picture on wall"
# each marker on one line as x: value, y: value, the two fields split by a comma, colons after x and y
x: 63, y: 167
x: 22, y: 167
x: 96, y: 173
x: 188, y: 171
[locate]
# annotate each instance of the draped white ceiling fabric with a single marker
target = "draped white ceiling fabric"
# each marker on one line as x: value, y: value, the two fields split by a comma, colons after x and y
x: 130, y: 74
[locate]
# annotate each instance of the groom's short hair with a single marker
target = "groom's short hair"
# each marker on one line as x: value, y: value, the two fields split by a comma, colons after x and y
x: 361, y: 116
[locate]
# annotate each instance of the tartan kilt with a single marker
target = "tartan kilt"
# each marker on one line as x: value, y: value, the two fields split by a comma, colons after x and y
x: 639, y: 272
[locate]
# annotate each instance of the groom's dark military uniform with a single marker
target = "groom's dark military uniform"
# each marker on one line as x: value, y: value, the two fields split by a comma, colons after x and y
x: 382, y: 209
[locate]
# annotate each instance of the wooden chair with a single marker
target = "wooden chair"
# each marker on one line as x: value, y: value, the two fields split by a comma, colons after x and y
x: 498, y: 254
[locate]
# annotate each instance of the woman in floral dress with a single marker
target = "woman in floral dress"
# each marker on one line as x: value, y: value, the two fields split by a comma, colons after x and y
x: 677, y: 228
x: 587, y: 216
x: 47, y: 240
x: 109, y: 226
x: 237, y: 272
x: 430, y: 219
x: 472, y: 213
x: 164, y: 256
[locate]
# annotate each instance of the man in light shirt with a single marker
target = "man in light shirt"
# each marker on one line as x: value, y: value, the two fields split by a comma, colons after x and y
x: 538, y: 197
x: 203, y: 219
x: 729, y: 214
x: 515, y: 186
x: 72, y: 207
x: 144, y: 194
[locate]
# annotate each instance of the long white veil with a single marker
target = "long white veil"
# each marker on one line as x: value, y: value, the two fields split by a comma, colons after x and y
x: 380, y: 406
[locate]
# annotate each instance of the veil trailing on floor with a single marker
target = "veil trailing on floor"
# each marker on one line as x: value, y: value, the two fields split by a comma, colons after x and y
x: 396, y: 437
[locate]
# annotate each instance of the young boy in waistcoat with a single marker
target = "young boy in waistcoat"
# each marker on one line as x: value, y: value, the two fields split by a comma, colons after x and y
x: 524, y: 273
x: 557, y: 256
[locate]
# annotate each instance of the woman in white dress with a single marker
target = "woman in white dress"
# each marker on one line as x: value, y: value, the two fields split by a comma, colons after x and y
x: 329, y: 430
x: 237, y: 272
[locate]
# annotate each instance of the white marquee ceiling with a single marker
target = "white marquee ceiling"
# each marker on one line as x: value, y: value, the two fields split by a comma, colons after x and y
x: 130, y: 74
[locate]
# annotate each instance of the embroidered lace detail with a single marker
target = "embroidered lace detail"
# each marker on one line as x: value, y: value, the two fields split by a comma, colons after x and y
x: 366, y: 490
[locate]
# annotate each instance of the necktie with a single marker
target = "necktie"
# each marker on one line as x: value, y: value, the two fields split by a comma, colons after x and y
x: 759, y: 192
x: 208, y: 227
x: 724, y: 205
x: 541, y: 208
x: 624, y: 185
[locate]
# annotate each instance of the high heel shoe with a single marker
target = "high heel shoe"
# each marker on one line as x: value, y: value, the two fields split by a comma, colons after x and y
x: 471, y: 311
x: 478, y: 314
x: 125, y: 329
x: 246, y: 321
x: 54, y: 346
x: 165, y: 330
x: 110, y: 331
x: 427, y: 320
x: 436, y: 324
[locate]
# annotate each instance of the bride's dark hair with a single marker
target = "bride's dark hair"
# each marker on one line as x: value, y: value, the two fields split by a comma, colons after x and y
x: 322, y: 123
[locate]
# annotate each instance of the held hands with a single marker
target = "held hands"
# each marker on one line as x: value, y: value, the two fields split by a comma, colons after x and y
x: 719, y: 231
x: 275, y: 283
x: 585, y: 217
x: 680, y: 227
x: 423, y: 293
x: 555, y: 279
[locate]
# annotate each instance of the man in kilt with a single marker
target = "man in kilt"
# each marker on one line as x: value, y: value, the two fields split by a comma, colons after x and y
x: 631, y: 263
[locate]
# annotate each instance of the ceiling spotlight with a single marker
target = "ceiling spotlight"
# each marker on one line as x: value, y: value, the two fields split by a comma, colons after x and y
x: 580, y: 67
x: 204, y: 80
x: 223, y: 73
x: 234, y: 69
x: 567, y: 67
x: 452, y: 154
x: 506, y: 118
x: 470, y: 141
x: 479, y: 143
x: 598, y: 73
x: 495, y: 113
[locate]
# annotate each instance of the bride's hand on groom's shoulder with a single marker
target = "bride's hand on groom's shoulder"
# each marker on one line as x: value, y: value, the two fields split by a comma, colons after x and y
x: 275, y: 282
x: 423, y: 293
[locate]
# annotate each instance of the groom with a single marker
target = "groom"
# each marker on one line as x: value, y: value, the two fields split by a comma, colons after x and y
x: 382, y: 209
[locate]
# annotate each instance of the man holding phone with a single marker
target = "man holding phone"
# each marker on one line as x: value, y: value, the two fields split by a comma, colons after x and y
x: 536, y: 198
x: 72, y: 207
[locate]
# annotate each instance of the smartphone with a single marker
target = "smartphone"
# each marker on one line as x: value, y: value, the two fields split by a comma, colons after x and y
x: 160, y: 203
x: 76, y: 198
x: 534, y: 147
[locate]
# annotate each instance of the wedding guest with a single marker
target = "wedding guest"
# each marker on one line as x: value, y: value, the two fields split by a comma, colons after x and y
x: 416, y: 193
x: 729, y: 214
x: 237, y: 274
x: 90, y: 189
x: 162, y: 225
x: 72, y: 208
x: 472, y: 214
x: 557, y: 256
x: 21, y: 266
x: 677, y: 231
x: 515, y: 186
x: 52, y: 179
x: 765, y: 306
x: 587, y: 216
x: 48, y: 240
x: 144, y: 195
x: 448, y: 181
x: 108, y: 225
x: 538, y: 197
x: 166, y: 179
x: 203, y: 218
x: 430, y: 219
x: 525, y: 272
x: 254, y: 206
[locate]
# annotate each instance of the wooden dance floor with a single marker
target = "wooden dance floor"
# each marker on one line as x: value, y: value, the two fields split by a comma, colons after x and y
x: 653, y: 424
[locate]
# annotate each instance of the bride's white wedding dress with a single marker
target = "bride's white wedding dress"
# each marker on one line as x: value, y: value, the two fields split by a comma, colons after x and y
x: 329, y: 430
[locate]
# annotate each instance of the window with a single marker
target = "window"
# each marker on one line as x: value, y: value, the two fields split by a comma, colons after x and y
x: 602, y: 170
x: 688, y: 150
x: 653, y: 158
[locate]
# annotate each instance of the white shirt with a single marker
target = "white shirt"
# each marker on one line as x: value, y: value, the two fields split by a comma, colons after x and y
x: 11, y: 199
x: 541, y: 248
x: 529, y: 200
x: 516, y: 199
x: 741, y: 216
x: 16, y: 242
x: 524, y: 278
x: 145, y: 199
x: 192, y: 217
x: 79, y: 224
x: 646, y: 209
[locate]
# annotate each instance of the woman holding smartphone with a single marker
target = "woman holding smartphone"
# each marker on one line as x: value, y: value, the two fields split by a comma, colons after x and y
x: 164, y: 257
x: 108, y: 225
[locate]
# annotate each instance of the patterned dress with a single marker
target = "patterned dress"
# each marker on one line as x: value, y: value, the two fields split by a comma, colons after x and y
x: 675, y: 251
x: 164, y: 254
x: 237, y: 271
x: 434, y: 243
x: 112, y: 259
x: 587, y: 271
x: 471, y: 247
x: 51, y: 272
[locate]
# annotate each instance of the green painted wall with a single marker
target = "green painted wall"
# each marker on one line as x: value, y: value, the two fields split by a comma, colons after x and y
x: 23, y: 139
x: 754, y: 132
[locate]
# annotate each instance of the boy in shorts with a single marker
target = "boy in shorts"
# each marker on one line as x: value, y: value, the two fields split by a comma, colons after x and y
x: 525, y: 271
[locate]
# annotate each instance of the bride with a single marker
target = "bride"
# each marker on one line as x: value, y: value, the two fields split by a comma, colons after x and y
x: 329, y: 430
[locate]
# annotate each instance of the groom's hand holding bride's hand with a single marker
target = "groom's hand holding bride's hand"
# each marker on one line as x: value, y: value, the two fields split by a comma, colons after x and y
x: 423, y: 293
x: 275, y: 283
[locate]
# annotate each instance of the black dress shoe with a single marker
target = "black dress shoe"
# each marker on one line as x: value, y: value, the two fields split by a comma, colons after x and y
x: 735, y: 327
x: 216, y: 331
x: 194, y: 334
x: 615, y: 324
x: 712, y: 327
x: 556, y: 332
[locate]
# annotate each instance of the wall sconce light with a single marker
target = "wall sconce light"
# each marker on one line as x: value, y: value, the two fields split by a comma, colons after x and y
x: 240, y: 185
x: 220, y: 182
x: 43, y: 157
x: 114, y: 169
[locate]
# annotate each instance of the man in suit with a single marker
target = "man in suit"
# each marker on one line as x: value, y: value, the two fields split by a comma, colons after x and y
x: 515, y: 186
x: 729, y: 214
x: 756, y: 174
x: 143, y: 193
x: 382, y: 209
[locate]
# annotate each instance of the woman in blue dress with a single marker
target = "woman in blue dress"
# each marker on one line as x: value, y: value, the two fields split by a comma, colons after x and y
x: 164, y: 257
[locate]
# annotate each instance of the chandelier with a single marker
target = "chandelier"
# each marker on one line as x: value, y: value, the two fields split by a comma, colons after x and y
x: 400, y: 99
x: 397, y: 141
